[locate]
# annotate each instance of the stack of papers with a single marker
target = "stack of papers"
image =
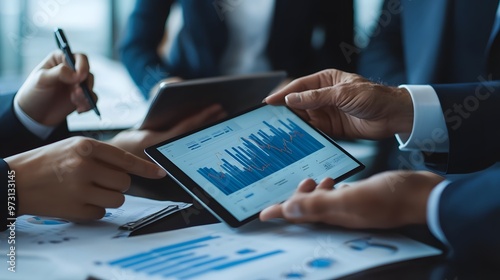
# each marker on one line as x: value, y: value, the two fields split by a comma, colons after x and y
x: 44, y: 243
x: 271, y: 250
x: 260, y: 251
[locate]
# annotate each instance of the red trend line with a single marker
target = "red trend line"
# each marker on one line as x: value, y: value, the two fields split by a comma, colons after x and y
x: 285, y: 148
x: 221, y: 175
x: 221, y: 172
x: 269, y: 146
x: 254, y: 167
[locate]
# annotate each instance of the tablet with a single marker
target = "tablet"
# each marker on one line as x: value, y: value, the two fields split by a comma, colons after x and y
x: 176, y: 101
x: 243, y: 164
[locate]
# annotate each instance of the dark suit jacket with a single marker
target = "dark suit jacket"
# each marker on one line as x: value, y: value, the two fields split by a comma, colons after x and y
x: 15, y: 138
x: 447, y: 44
x: 472, y: 116
x: 469, y: 212
x: 201, y: 43
x: 430, y: 42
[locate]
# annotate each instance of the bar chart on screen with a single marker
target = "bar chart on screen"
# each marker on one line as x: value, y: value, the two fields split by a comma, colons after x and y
x: 259, y: 155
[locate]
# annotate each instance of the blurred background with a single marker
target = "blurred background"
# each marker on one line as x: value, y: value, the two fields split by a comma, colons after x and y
x: 92, y: 26
x: 95, y: 27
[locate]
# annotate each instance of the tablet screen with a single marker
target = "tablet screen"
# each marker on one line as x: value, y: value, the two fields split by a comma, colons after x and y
x: 257, y: 159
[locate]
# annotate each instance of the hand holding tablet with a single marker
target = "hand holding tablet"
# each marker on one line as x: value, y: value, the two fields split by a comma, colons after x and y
x: 243, y: 164
x: 176, y: 101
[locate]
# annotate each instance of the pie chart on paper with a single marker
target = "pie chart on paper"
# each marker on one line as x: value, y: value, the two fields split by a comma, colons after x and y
x: 46, y: 221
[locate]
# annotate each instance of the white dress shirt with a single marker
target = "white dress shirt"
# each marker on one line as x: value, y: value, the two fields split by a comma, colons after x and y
x: 249, y: 25
x: 40, y: 130
x: 429, y: 127
x: 428, y: 121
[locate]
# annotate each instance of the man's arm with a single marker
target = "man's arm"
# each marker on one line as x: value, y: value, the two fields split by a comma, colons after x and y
x: 467, y: 209
x: 139, y: 48
x: 15, y: 137
x: 74, y: 179
x: 348, y: 106
x: 44, y: 100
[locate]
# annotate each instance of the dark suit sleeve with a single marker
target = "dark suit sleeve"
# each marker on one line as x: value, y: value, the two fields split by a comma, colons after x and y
x: 139, y: 47
x: 469, y: 215
x: 383, y: 59
x: 15, y: 138
x: 472, y: 116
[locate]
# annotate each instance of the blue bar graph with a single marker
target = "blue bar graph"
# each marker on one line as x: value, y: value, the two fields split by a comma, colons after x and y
x: 190, y: 259
x: 261, y: 155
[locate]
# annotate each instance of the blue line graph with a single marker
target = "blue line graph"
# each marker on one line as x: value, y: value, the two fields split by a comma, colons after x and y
x: 260, y: 155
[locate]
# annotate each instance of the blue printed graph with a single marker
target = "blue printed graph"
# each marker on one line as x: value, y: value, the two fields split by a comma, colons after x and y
x: 260, y: 155
x: 46, y: 221
x: 191, y: 258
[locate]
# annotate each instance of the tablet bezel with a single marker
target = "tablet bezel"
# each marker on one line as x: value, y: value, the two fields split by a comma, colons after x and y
x: 198, y: 193
x: 175, y: 101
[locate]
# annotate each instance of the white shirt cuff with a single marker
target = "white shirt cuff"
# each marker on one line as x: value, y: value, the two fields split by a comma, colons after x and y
x: 433, y: 212
x: 429, y: 132
x: 40, y: 130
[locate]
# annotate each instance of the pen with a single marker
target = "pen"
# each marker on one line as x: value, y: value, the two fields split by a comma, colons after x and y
x: 62, y: 43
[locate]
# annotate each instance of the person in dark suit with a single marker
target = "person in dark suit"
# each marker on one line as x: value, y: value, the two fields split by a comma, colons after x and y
x: 455, y: 42
x: 462, y: 213
x: 431, y: 42
x: 73, y: 178
x: 36, y: 114
x: 231, y: 37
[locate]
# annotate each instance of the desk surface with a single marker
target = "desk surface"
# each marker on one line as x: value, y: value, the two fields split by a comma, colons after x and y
x: 433, y: 268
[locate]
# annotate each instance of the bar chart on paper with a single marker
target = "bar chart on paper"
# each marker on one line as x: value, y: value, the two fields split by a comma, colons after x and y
x: 259, y: 155
x: 192, y: 258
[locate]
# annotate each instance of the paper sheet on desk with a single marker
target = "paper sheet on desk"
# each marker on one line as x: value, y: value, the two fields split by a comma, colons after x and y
x: 36, y: 234
x: 279, y: 251
x: 120, y: 102
x: 116, y: 114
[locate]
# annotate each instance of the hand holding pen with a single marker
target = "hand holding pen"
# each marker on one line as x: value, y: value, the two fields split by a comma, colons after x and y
x: 63, y: 44
x: 52, y: 90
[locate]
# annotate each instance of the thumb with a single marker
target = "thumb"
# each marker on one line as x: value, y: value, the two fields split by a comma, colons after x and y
x: 309, y: 207
x: 311, y: 99
x: 292, y: 209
